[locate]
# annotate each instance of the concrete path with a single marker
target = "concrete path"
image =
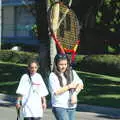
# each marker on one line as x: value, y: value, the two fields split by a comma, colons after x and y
x: 84, y: 112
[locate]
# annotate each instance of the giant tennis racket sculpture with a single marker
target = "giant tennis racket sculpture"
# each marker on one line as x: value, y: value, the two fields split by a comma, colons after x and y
x: 64, y: 28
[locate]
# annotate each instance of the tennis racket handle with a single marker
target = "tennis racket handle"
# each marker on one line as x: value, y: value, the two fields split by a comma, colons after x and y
x: 58, y: 44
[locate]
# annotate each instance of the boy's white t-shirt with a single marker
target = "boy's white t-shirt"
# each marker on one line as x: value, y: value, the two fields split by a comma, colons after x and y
x: 61, y: 100
x: 32, y: 91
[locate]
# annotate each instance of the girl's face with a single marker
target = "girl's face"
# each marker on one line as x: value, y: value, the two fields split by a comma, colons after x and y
x: 62, y: 65
x: 33, y: 68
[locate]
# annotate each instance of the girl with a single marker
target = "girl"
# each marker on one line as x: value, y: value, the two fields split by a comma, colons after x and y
x: 64, y: 85
x: 32, y: 92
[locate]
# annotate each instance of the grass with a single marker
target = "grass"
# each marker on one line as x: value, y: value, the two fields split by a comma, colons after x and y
x: 99, y: 89
x: 10, y: 74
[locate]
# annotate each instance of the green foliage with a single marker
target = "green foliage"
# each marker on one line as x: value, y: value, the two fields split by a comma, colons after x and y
x: 79, y: 58
x: 111, y: 49
x: 24, y: 47
x: 98, y: 17
x: 102, y: 64
x: 35, y: 29
x: 99, y: 90
x: 108, y: 15
x: 17, y: 57
x: 10, y: 76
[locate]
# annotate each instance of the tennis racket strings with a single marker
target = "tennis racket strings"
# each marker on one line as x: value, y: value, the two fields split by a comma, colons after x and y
x: 64, y: 28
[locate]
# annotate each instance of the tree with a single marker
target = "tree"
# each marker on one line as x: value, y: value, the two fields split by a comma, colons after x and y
x: 99, y: 21
x: 39, y: 11
x: 108, y: 15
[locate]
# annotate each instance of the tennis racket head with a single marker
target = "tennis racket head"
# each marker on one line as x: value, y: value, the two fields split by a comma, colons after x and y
x: 68, y: 32
x: 64, y: 24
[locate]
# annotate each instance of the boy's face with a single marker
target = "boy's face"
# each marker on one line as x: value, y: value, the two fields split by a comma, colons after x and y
x: 33, y: 68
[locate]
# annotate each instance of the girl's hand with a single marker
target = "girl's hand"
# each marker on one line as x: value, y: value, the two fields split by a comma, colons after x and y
x: 18, y: 106
x: 74, y: 99
x: 72, y: 85
x: 44, y: 106
x: 19, y: 102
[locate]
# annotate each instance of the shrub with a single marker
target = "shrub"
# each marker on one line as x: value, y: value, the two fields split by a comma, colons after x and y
x: 17, y: 57
x: 24, y: 47
x: 103, y: 64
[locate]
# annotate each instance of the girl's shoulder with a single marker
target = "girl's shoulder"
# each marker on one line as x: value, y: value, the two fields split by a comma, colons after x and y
x: 25, y: 75
x: 38, y: 74
x: 52, y: 74
x: 73, y: 71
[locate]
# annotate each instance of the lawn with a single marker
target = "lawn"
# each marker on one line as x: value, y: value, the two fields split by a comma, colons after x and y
x: 10, y: 74
x: 98, y: 89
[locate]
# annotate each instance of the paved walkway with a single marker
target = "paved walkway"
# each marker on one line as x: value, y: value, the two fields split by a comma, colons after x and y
x: 84, y: 112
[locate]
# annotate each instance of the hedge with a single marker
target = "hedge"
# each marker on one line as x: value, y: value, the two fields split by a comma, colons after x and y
x: 102, y: 64
x: 17, y: 57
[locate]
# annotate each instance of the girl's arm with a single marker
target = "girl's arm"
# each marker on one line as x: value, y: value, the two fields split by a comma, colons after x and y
x: 79, y: 83
x: 65, y: 88
x: 18, y: 102
x: 44, y: 105
x: 78, y: 88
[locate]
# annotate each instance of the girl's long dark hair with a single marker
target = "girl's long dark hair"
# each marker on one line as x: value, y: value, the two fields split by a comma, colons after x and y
x: 68, y: 73
x: 29, y: 64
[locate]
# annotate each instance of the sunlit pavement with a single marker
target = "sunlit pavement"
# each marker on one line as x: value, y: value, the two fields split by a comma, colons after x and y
x: 84, y: 112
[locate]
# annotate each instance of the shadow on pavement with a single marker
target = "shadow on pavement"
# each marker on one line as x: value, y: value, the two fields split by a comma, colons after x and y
x: 104, y: 112
x: 7, y: 100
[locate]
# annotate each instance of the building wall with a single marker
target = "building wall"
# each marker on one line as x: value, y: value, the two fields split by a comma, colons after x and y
x: 24, y: 21
x: 17, y: 22
x: 8, y: 21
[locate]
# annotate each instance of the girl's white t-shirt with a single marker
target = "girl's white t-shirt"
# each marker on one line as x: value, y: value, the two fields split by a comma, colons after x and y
x: 61, y: 100
x: 32, y: 91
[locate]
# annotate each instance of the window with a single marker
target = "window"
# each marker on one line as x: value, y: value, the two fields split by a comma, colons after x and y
x: 24, y: 21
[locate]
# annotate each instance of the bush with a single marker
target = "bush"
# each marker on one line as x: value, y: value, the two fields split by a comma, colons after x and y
x: 17, y: 57
x: 102, y: 64
x: 24, y: 47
